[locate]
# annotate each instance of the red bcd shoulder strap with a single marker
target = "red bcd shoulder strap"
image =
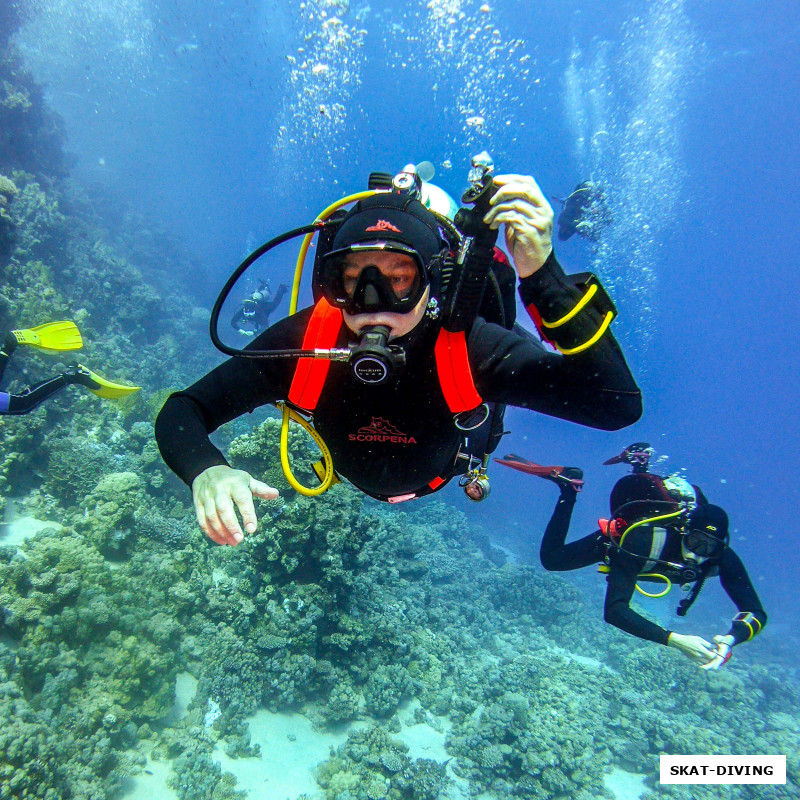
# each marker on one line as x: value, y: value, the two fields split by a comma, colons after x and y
x: 452, y: 363
x: 310, y: 374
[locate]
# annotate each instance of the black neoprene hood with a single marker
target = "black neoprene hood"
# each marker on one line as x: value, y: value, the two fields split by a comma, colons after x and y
x: 389, y: 217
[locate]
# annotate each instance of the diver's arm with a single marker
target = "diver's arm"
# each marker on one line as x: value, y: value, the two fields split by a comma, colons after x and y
x: 618, y: 612
x: 272, y: 304
x: 736, y: 582
x: 592, y: 387
x: 236, y: 386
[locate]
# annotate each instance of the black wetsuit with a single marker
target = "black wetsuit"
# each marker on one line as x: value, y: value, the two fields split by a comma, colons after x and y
x: 33, y: 396
x: 393, y: 439
x: 626, y: 567
x: 257, y: 319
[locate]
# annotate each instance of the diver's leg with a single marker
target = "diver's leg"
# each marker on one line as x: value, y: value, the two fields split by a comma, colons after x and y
x: 9, y: 345
x: 32, y: 397
x: 555, y: 555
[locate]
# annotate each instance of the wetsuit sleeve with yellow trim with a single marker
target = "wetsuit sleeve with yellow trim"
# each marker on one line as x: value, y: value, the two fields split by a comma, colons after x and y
x: 737, y: 584
x: 571, y: 312
x: 617, y: 611
x: 593, y: 387
x: 236, y: 386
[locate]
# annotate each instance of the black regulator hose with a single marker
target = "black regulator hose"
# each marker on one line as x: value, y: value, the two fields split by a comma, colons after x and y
x: 231, y: 282
x: 465, y: 300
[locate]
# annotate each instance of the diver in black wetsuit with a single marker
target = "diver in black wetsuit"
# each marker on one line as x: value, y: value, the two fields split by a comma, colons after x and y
x: 663, y: 531
x: 400, y: 439
x: 585, y: 212
x: 253, y: 314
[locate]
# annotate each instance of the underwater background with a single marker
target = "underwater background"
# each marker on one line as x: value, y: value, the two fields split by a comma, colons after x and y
x: 349, y: 650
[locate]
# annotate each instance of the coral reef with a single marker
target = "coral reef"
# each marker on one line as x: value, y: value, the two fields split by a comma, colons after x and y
x: 338, y: 606
x: 371, y: 765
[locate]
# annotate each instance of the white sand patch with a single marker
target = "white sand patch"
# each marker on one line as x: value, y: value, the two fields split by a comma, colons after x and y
x: 625, y: 785
x: 586, y: 661
x: 152, y: 782
x: 16, y: 527
x: 185, y: 689
x: 423, y: 740
x: 512, y: 557
x: 150, y: 785
x: 427, y: 741
x: 291, y: 749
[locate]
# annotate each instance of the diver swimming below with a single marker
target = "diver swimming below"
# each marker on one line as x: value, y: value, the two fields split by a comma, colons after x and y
x: 409, y: 354
x: 585, y: 212
x: 252, y: 316
x: 662, y: 530
x: 53, y: 337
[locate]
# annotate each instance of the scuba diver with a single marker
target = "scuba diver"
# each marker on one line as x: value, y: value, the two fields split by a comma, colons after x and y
x: 420, y: 400
x: 584, y: 212
x: 53, y: 337
x: 253, y: 314
x: 663, y: 531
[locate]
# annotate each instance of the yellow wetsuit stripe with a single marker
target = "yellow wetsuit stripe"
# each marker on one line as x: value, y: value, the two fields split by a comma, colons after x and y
x: 568, y: 351
x: 581, y: 304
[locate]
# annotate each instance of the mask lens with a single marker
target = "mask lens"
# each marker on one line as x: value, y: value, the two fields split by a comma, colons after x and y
x: 400, y: 275
x: 374, y: 277
x: 702, y: 543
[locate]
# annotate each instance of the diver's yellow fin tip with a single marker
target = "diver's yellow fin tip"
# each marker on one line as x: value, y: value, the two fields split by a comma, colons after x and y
x: 108, y: 389
x: 52, y: 337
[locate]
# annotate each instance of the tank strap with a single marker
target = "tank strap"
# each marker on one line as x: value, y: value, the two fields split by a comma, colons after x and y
x: 455, y: 375
x: 310, y: 374
x: 656, y: 548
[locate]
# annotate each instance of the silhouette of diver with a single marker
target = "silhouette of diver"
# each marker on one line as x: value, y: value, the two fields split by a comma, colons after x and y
x: 584, y: 212
x: 253, y: 315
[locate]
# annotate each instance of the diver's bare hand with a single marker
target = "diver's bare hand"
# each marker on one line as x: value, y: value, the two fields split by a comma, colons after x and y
x: 215, y: 491
x: 520, y: 205
x: 694, y: 647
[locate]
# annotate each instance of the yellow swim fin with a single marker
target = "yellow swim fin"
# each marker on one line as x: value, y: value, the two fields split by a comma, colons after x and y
x: 52, y: 337
x: 103, y: 388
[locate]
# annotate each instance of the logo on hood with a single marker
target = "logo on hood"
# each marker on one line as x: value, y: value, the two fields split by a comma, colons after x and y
x: 381, y: 430
x: 384, y: 225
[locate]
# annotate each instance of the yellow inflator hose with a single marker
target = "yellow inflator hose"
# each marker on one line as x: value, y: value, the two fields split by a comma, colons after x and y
x: 287, y: 413
x: 649, y: 521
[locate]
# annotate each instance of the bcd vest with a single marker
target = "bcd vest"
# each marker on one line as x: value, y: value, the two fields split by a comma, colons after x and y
x: 452, y: 367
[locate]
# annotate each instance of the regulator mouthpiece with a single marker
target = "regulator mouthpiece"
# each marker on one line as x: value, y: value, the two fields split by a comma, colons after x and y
x: 373, y: 360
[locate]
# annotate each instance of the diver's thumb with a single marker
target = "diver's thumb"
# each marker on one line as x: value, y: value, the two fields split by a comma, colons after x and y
x: 262, y: 490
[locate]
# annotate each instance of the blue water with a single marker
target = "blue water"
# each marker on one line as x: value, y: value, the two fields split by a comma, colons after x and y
x: 203, y: 115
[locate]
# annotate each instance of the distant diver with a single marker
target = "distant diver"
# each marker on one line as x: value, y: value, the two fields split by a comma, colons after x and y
x: 584, y: 212
x: 663, y: 531
x: 253, y: 315
x: 53, y: 337
x: 407, y: 357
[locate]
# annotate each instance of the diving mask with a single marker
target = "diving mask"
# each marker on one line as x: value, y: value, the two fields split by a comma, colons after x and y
x: 702, y: 543
x: 374, y: 277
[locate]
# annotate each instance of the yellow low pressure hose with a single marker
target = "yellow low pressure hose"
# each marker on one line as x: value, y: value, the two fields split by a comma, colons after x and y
x: 287, y: 414
x: 649, y: 521
x: 327, y: 480
x: 663, y: 592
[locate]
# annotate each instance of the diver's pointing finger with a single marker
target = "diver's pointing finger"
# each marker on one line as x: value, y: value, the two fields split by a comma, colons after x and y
x: 263, y: 490
x: 244, y: 502
x: 230, y: 522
